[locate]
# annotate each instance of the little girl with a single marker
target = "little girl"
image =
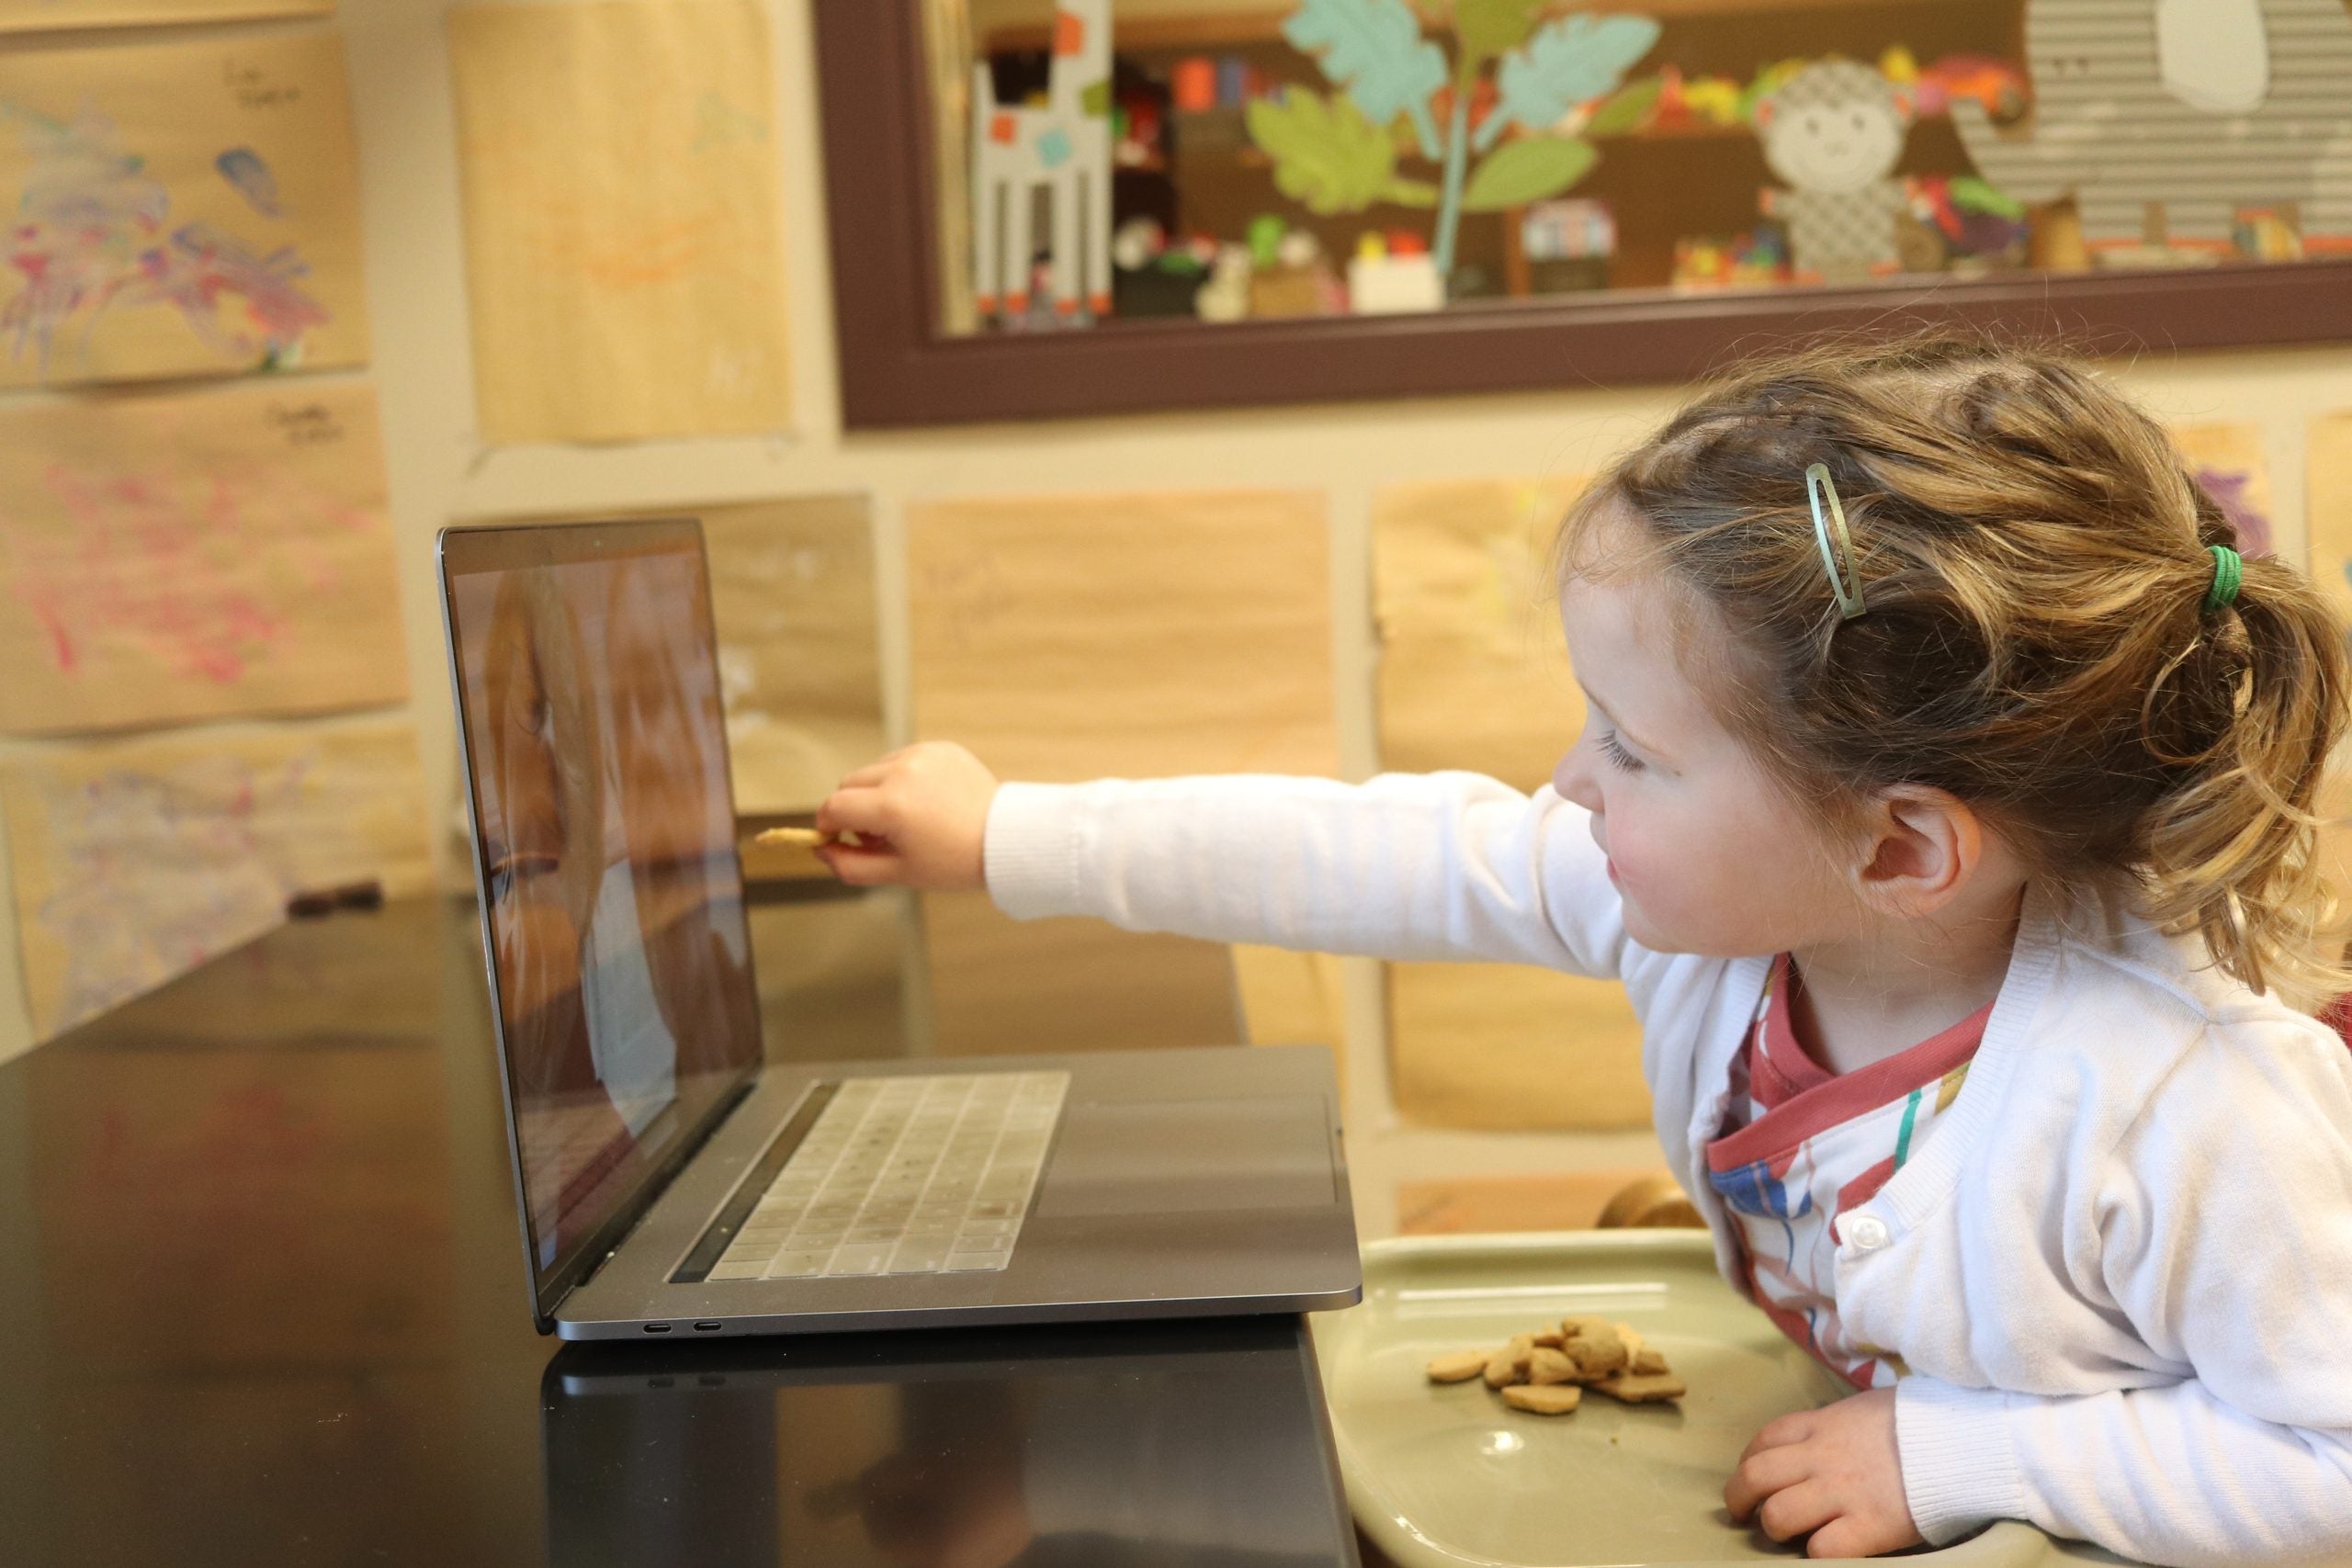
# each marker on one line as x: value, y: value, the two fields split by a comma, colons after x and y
x: 1945, y: 804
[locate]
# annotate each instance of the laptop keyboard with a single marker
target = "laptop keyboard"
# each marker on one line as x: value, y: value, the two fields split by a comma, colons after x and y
x: 928, y: 1175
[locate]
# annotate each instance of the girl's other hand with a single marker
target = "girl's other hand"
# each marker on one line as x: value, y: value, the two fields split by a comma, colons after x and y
x: 920, y: 816
x: 1835, y: 1472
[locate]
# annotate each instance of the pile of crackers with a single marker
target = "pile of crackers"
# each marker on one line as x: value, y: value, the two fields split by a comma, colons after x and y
x: 1548, y: 1370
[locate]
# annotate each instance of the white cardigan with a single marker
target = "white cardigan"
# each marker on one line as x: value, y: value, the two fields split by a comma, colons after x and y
x: 2121, y: 1271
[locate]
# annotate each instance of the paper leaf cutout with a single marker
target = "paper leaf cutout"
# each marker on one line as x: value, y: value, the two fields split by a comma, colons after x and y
x: 1374, y: 52
x: 1327, y: 155
x: 1626, y: 108
x: 1491, y: 27
x: 1522, y: 172
x: 1570, y: 58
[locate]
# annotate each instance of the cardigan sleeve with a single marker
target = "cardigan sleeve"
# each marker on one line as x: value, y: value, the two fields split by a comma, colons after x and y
x: 2225, y: 1228
x: 1447, y: 865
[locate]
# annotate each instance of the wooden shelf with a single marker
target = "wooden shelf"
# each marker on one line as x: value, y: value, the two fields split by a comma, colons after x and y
x: 1188, y: 30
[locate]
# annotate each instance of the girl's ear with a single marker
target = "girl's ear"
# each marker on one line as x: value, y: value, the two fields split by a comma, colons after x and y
x: 1923, y: 846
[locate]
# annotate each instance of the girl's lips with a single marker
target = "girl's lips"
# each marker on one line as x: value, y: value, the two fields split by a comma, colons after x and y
x: 1614, y: 880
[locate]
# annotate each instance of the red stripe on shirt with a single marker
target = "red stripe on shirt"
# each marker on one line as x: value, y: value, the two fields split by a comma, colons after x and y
x: 1831, y: 1098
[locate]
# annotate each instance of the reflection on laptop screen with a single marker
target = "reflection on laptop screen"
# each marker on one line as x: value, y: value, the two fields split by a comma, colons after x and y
x: 588, y: 678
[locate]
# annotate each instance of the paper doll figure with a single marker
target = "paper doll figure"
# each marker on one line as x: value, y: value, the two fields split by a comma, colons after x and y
x: 1834, y: 132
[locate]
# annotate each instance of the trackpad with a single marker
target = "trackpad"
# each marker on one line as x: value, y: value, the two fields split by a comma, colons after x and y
x: 1187, y: 1155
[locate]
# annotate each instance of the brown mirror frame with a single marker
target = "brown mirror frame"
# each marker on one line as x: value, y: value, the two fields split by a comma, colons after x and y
x: 898, y: 369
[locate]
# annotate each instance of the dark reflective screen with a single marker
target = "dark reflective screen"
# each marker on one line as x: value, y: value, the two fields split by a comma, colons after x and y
x: 1198, y: 1445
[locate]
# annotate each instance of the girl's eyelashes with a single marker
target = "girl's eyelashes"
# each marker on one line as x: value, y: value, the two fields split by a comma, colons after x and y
x: 1619, y: 758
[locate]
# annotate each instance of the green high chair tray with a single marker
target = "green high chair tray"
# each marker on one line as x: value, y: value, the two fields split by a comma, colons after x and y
x: 1447, y: 1475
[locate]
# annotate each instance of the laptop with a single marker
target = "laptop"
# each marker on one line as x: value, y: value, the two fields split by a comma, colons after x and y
x: 672, y: 1182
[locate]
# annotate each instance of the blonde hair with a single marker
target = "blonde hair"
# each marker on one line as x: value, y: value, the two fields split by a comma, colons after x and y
x: 2032, y: 550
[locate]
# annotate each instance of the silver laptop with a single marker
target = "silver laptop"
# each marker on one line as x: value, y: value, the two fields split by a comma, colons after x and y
x: 669, y: 1181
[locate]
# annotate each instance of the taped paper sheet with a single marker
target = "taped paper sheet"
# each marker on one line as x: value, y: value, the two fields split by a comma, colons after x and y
x: 182, y: 208
x: 48, y: 16
x: 2228, y: 461
x: 195, y: 556
x: 619, y: 178
x: 2327, y: 504
x: 1474, y: 674
x: 138, y: 861
x: 1074, y: 636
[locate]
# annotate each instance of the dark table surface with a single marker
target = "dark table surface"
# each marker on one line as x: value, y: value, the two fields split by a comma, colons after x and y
x: 261, y: 1301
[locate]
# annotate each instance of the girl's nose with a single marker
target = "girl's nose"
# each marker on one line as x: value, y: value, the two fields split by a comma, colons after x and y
x: 1573, y: 778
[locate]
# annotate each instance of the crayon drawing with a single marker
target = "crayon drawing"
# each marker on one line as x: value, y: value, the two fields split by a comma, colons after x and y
x: 619, y: 178
x: 136, y: 861
x: 2227, y: 460
x: 178, y: 210
x: 42, y: 16
x: 195, y: 556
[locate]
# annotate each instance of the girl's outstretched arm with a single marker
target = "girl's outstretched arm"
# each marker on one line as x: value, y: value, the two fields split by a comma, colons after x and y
x: 1439, y: 865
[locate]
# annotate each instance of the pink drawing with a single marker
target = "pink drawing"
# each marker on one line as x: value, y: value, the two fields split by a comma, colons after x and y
x: 164, y: 563
x: 2230, y: 488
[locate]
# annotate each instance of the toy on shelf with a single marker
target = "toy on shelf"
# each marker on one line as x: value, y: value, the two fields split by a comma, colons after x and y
x: 1834, y: 131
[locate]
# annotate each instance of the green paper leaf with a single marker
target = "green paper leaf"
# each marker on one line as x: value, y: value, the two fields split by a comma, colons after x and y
x: 1519, y: 171
x: 1374, y: 51
x: 1325, y: 154
x: 1569, y: 61
x: 1490, y: 27
x: 1626, y: 109
x: 1411, y: 192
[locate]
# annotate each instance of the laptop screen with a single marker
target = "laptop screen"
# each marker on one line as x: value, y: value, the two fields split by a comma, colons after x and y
x: 588, y: 691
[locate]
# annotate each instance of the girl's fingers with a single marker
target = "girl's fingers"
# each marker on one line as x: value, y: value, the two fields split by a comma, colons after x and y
x: 863, y: 866
x: 1762, y: 1474
x: 1793, y: 1427
x: 1788, y: 1512
x: 860, y: 810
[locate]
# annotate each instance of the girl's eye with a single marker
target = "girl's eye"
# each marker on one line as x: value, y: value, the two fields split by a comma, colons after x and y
x: 1619, y: 758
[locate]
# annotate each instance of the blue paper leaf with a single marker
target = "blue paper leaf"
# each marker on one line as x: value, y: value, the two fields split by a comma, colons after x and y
x: 1374, y: 52
x: 1569, y: 60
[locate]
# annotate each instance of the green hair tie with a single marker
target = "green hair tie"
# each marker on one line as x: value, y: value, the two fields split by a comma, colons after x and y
x: 2229, y: 567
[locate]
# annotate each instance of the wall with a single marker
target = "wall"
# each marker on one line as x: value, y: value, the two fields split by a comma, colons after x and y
x: 441, y: 472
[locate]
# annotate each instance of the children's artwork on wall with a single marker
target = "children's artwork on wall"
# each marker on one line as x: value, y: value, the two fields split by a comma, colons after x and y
x: 1474, y: 674
x: 2327, y: 511
x: 196, y: 556
x: 51, y: 15
x: 2181, y: 126
x: 1062, y: 147
x: 1070, y: 637
x: 619, y: 177
x: 2227, y: 460
x: 183, y: 208
x: 136, y: 861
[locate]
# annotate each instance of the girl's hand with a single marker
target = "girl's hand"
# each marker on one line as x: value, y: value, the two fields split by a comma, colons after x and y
x: 1835, y: 1472
x: 920, y: 816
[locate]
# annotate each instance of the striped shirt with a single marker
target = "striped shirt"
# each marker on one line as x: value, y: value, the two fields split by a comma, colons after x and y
x: 1802, y: 1145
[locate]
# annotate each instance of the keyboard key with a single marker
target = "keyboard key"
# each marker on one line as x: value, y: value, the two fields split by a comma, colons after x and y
x: 792, y: 1265
x: 971, y: 1262
x: 858, y: 1259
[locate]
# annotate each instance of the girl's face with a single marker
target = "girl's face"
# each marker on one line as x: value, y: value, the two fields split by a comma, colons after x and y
x: 1710, y: 855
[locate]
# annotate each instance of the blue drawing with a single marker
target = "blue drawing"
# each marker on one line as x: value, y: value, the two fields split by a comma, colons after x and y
x: 243, y: 167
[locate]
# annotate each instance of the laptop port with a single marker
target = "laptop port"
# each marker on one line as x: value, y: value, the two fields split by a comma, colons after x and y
x: 705, y: 1328
x: 657, y: 1329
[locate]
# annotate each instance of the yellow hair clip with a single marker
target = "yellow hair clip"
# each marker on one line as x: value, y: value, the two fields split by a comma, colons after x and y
x: 1838, y: 560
